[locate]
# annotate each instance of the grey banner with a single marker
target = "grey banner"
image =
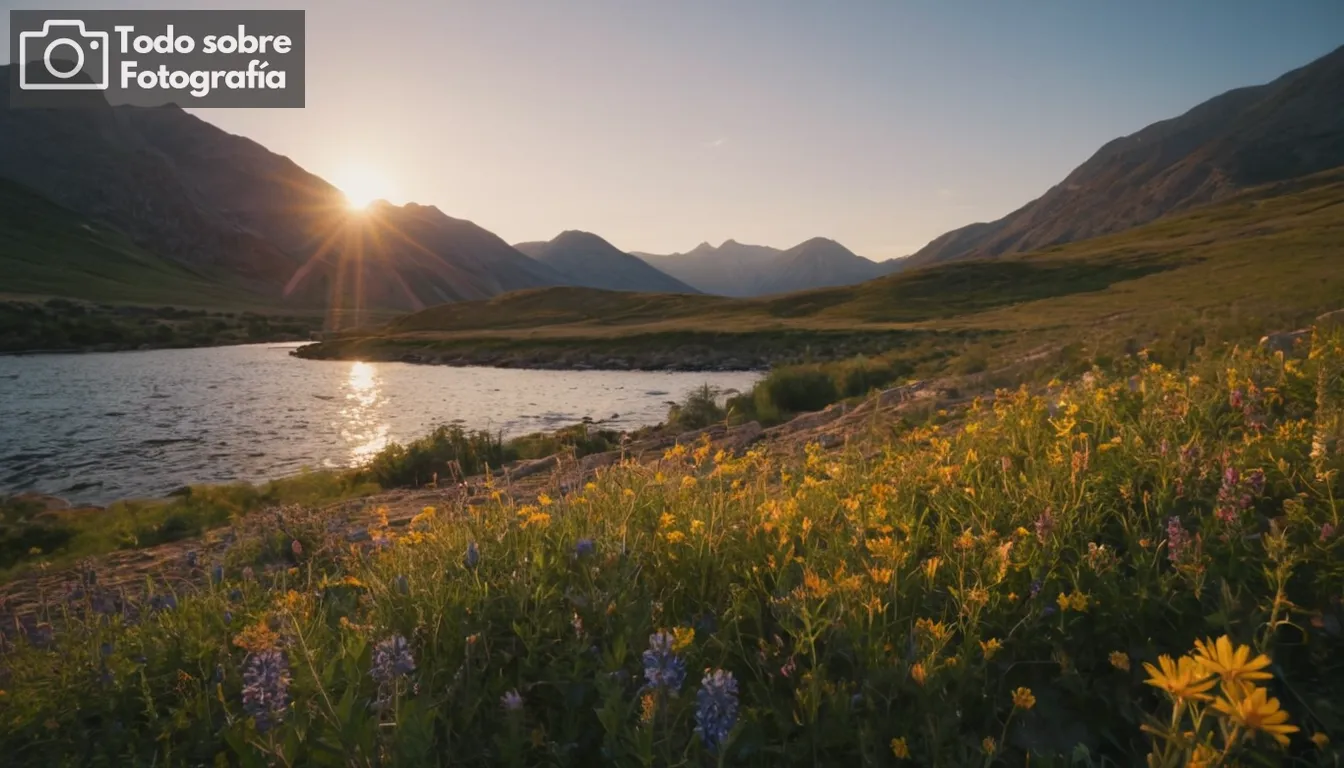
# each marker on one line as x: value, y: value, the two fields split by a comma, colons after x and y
x: 151, y: 58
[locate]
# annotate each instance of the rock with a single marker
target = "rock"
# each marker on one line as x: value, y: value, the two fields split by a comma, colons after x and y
x: 1284, y: 341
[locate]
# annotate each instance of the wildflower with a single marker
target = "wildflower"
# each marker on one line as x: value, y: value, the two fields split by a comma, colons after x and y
x: 1035, y: 588
x: 989, y: 745
x: 544, y: 500
x: 682, y: 637
x: 918, y: 673
x: 266, y: 688
x: 1183, y: 679
x: 1120, y: 660
x: 217, y: 574
x: 192, y: 559
x: 1063, y: 601
x: 990, y: 647
x: 402, y: 585
x: 1177, y: 540
x: 392, y: 659
x: 662, y: 667
x: 473, y: 555
x: 256, y: 638
x: 296, y: 547
x: 1078, y: 601
x: 1023, y: 699
x: 1327, y: 531
x: 511, y: 701
x: 900, y: 749
x: 1231, y: 663
x: 716, y: 707
x: 648, y: 707
x: 584, y: 547
x: 1254, y: 709
x: 1045, y: 525
x: 1320, y: 740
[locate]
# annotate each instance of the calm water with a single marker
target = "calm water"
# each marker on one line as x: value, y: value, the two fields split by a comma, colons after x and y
x: 99, y: 427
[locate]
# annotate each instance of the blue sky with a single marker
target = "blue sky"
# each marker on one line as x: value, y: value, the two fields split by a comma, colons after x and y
x: 662, y: 124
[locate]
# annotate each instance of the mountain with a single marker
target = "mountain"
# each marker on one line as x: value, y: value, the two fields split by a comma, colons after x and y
x: 729, y: 270
x: 227, y: 208
x: 49, y: 250
x: 1291, y: 127
x: 586, y: 260
x: 739, y: 270
x: 819, y: 263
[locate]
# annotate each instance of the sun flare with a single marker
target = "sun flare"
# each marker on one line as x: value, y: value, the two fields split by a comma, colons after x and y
x: 361, y: 186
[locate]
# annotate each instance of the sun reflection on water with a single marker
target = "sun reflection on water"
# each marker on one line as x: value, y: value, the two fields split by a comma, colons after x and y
x: 362, y: 426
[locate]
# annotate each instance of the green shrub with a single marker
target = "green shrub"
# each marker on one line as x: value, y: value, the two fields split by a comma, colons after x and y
x: 700, y: 408
x: 448, y: 451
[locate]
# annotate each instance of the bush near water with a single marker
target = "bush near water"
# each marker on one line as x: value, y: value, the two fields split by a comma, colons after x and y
x: 1134, y: 567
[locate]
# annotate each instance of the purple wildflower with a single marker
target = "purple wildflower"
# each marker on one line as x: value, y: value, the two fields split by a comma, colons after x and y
x: 1045, y: 525
x: 1327, y: 531
x: 392, y: 659
x: 217, y: 574
x: 662, y: 667
x: 511, y: 701
x: 584, y: 547
x: 1177, y: 540
x: 1234, y: 399
x: 266, y: 688
x: 473, y: 555
x: 1035, y: 588
x: 716, y: 707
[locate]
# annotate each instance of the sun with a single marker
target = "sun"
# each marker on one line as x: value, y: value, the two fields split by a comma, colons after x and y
x: 361, y: 186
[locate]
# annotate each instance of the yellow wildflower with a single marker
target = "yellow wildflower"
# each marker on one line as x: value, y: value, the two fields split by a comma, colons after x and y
x: 1184, y: 679
x: 1232, y: 663
x: 697, y: 526
x: 931, y: 567
x: 1078, y: 601
x: 990, y: 647
x: 1319, y: 739
x: 1023, y: 699
x: 1063, y: 601
x: 989, y: 745
x: 256, y: 638
x: 648, y: 707
x: 1254, y: 709
x: 675, y: 452
x: 682, y: 637
x: 544, y: 500
x: 880, y: 575
x: 674, y: 537
x: 918, y: 674
x: 900, y: 749
x: 1120, y: 660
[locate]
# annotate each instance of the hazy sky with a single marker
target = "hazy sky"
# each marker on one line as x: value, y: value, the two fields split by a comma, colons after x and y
x: 658, y: 125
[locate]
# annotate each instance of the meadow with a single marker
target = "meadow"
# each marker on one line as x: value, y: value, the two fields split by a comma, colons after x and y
x: 1138, y: 565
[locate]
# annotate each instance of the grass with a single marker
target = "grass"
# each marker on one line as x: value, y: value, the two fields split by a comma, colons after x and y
x: 52, y: 251
x: 1267, y: 258
x: 1009, y: 586
x: 29, y: 536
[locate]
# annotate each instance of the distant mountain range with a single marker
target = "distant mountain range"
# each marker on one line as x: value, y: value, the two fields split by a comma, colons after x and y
x: 586, y: 260
x: 161, y: 193
x: 736, y: 269
x: 1291, y: 127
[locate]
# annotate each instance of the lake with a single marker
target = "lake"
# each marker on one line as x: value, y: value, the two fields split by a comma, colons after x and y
x: 94, y: 428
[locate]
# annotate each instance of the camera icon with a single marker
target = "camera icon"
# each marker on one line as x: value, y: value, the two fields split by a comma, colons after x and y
x: 67, y: 49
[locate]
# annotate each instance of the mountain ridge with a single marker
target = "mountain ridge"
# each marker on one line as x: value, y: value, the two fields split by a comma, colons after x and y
x: 587, y: 260
x: 1289, y: 127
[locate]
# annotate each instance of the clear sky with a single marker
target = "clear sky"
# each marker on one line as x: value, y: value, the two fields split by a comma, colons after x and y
x: 657, y: 124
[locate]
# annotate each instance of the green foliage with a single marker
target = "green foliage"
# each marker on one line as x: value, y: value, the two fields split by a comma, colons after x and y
x: 62, y: 537
x: 698, y: 409
x: 985, y: 589
x: 449, y: 450
x: 61, y: 324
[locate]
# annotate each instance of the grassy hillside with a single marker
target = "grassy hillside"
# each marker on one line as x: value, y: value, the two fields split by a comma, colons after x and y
x: 47, y: 250
x: 1132, y: 569
x: 1271, y: 256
